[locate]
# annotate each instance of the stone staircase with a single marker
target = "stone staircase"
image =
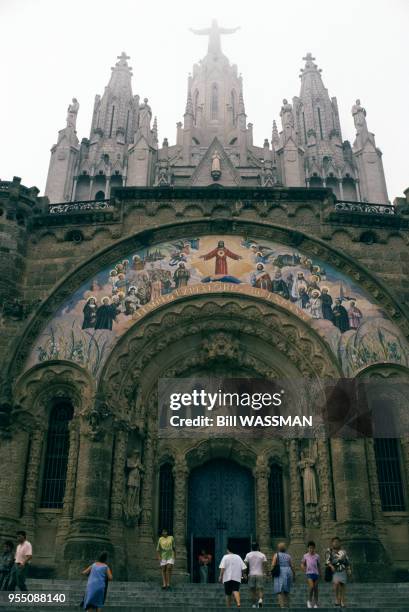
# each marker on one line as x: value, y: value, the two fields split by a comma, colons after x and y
x: 140, y: 596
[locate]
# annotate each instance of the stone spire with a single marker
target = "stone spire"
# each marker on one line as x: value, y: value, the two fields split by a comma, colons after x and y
x: 275, y: 139
x: 114, y: 113
x: 318, y: 113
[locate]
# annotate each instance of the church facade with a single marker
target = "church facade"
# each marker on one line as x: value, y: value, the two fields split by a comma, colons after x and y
x: 210, y: 257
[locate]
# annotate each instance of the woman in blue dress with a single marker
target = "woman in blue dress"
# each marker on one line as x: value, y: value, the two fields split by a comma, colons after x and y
x: 98, y: 575
x: 283, y: 582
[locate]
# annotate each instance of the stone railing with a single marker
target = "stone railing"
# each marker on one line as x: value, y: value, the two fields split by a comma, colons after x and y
x: 83, y: 206
x: 364, y: 207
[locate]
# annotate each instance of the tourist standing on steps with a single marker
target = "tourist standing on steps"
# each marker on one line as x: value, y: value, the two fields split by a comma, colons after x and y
x: 24, y: 554
x: 231, y: 570
x: 205, y: 560
x: 98, y: 576
x: 310, y: 564
x: 337, y: 560
x: 286, y: 576
x: 166, y: 556
x: 256, y: 562
x: 6, y: 565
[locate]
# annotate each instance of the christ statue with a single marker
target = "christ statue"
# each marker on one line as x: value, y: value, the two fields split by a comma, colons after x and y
x: 214, y: 33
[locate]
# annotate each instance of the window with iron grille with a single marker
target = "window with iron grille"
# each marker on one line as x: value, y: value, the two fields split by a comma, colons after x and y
x: 166, y: 490
x: 389, y: 474
x: 276, y: 501
x: 56, y: 456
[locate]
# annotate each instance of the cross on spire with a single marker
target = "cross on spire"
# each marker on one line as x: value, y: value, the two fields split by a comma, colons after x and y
x: 309, y: 57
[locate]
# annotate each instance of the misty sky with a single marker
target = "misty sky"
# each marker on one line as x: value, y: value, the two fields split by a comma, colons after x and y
x: 51, y: 51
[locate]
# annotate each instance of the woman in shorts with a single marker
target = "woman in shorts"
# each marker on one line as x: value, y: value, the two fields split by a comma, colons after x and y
x: 337, y: 560
x: 166, y: 556
x: 310, y: 564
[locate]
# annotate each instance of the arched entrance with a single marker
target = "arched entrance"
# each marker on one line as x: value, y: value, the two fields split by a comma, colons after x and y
x: 221, y: 509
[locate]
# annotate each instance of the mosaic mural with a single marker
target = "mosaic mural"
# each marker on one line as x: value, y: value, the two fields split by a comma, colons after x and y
x: 87, y: 326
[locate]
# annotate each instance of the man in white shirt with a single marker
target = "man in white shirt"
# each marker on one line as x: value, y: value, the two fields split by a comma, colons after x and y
x: 231, y: 569
x: 24, y: 554
x: 256, y: 562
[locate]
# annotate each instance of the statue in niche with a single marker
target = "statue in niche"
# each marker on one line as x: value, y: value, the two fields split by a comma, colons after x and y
x: 72, y: 113
x: 307, y: 468
x: 131, y: 505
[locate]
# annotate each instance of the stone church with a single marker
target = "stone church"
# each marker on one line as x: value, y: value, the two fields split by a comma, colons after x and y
x: 212, y: 256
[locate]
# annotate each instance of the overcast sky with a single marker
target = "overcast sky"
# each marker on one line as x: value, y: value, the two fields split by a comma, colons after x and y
x: 52, y: 50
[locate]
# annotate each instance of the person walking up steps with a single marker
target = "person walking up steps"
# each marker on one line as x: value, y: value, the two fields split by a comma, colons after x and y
x: 310, y: 564
x: 166, y: 556
x: 231, y: 569
x: 24, y: 554
x: 286, y: 575
x: 98, y: 576
x: 337, y: 560
x: 256, y: 562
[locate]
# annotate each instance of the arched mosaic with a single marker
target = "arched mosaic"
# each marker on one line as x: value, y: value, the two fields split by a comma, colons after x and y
x: 85, y: 329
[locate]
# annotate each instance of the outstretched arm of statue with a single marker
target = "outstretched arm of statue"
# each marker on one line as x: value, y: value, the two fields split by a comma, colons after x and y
x: 228, y: 30
x: 204, y: 32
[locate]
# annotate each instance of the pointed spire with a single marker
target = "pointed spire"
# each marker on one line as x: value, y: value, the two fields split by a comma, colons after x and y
x: 310, y: 75
x: 155, y: 130
x: 121, y: 72
x: 189, y: 104
x: 275, y: 138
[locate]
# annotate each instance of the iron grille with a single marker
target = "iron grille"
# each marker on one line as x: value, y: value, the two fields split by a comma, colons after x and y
x: 389, y: 474
x: 166, y: 491
x: 56, y: 456
x: 276, y: 501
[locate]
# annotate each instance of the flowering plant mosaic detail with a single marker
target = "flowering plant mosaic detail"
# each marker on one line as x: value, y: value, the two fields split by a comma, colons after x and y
x: 87, y: 326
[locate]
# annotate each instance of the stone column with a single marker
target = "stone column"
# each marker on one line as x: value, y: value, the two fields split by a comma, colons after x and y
x: 31, y: 492
x: 117, y: 499
x: 13, y: 461
x: 376, y: 503
x: 89, y: 531
x: 181, y: 473
x: 327, y: 501
x: 147, y: 538
x: 341, y: 189
x: 404, y: 443
x: 353, y: 509
x: 296, y: 503
x: 91, y: 184
x: 64, y: 522
x: 261, y: 474
x: 74, y: 188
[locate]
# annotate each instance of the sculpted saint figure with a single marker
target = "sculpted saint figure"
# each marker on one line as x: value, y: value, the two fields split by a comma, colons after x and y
x: 72, y: 112
x: 287, y: 114
x: 145, y: 116
x: 359, y: 115
x: 306, y: 466
x: 133, y: 485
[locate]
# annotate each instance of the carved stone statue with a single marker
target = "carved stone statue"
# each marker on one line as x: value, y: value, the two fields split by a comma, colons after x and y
x: 214, y: 34
x: 131, y: 504
x: 216, y: 168
x: 72, y: 113
x: 286, y: 114
x: 307, y: 467
x: 145, y: 116
x: 359, y: 115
